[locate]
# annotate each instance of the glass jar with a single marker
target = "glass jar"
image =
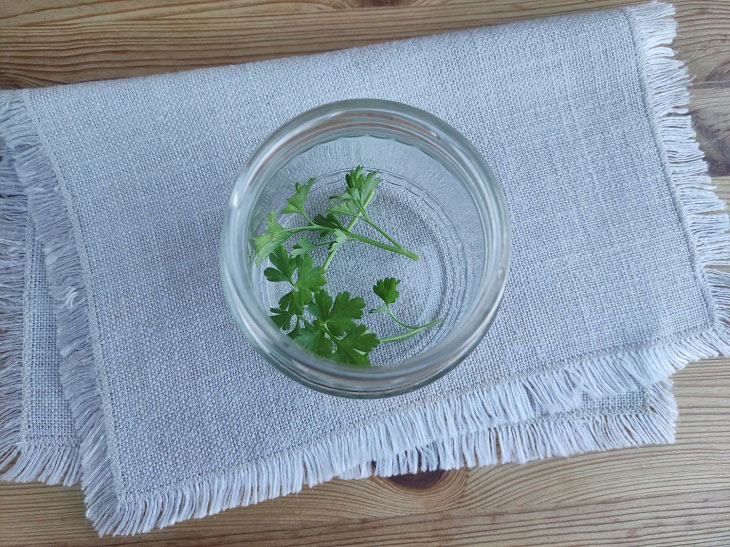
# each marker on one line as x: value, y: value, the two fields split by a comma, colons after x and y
x: 438, y: 197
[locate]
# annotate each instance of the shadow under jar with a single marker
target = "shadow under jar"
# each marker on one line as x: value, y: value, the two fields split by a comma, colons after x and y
x: 437, y: 198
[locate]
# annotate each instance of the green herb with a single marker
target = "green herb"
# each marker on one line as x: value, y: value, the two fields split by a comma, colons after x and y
x: 295, y: 204
x: 388, y: 293
x: 352, y: 202
x: 328, y: 327
x: 334, y: 333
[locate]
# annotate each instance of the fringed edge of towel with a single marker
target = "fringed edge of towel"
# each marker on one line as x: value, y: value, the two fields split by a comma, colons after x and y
x: 560, y: 435
x: 288, y: 473
x: 665, y: 81
x: 20, y: 461
x: 47, y: 206
x: 51, y: 464
x: 13, y: 219
x: 112, y: 513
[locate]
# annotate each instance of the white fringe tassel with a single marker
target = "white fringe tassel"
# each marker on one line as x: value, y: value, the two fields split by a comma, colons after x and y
x: 20, y: 461
x: 560, y: 435
x: 12, y: 282
x: 391, y: 442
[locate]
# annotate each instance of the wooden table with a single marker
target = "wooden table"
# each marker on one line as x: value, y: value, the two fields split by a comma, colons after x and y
x: 651, y: 495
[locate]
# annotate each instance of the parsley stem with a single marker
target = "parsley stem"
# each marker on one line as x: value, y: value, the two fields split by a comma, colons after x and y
x: 402, y: 324
x: 367, y: 219
x: 412, y: 333
x: 306, y: 216
x: 352, y: 223
x: 310, y: 228
x: 381, y: 232
x: 395, y: 248
x: 391, y: 248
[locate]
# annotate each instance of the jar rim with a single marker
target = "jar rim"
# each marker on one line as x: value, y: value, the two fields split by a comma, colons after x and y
x: 322, y: 374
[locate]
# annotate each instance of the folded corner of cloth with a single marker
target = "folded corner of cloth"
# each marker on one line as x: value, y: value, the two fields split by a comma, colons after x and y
x: 122, y: 368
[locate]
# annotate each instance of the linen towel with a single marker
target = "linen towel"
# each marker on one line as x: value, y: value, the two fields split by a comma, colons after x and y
x: 612, y: 288
x: 43, y: 443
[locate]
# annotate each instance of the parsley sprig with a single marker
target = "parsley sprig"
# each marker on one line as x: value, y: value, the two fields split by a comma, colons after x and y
x: 386, y: 290
x: 322, y: 324
x: 352, y: 202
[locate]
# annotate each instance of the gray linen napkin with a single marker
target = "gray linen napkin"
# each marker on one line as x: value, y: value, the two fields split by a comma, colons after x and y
x: 126, y: 181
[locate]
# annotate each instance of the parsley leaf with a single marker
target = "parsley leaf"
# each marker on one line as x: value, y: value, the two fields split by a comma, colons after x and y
x: 359, y: 187
x: 347, y: 208
x: 320, y: 306
x: 274, y: 235
x: 309, y: 276
x: 303, y: 247
x: 315, y: 339
x: 272, y: 274
x: 282, y: 318
x: 334, y: 328
x: 284, y: 266
x: 343, y: 313
x: 298, y: 300
x: 340, y: 239
x: 336, y: 317
x: 280, y: 259
x: 355, y: 347
x: 386, y: 289
x: 295, y: 331
x: 329, y: 221
x: 284, y: 301
x: 295, y: 203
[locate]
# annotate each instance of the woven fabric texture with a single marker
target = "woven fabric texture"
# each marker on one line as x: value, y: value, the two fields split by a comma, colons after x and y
x: 610, y: 291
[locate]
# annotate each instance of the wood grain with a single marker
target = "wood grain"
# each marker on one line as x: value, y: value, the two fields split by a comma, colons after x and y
x: 711, y: 114
x: 667, y: 495
x: 59, y: 41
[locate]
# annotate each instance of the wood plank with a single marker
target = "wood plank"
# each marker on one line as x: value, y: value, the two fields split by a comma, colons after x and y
x: 90, y: 43
x: 677, y: 493
x: 60, y: 41
x: 710, y: 108
x: 74, y: 11
x: 703, y: 39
